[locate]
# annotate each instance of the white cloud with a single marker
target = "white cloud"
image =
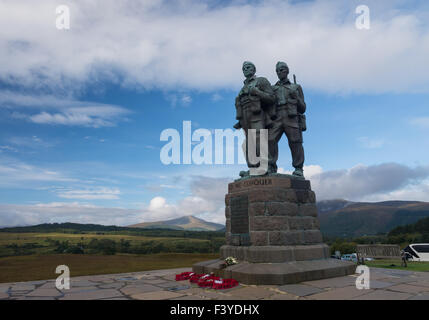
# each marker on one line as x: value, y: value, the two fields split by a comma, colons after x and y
x: 206, y: 201
x: 91, y: 194
x: 183, y: 99
x: 16, y: 173
x: 412, y: 192
x: 8, y: 148
x: 53, y: 110
x: 159, y: 209
x: 30, y: 142
x: 388, y: 181
x: 310, y: 171
x: 370, y: 143
x: 216, y: 97
x: 18, y: 215
x: 67, y: 119
x: 186, y: 99
x: 189, y: 44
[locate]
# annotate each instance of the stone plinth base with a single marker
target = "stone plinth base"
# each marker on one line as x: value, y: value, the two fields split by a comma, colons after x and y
x: 271, y: 211
x: 273, y: 231
x: 278, y: 273
x: 275, y: 254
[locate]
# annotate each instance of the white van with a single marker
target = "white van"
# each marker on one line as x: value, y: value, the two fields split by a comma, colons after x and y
x: 418, y: 251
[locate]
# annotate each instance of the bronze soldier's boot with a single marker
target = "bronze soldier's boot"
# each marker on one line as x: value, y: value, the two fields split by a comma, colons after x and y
x: 244, y: 174
x: 298, y: 172
x: 272, y: 169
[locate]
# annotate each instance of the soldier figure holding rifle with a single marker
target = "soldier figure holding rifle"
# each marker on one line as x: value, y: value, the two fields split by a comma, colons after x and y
x: 290, y: 120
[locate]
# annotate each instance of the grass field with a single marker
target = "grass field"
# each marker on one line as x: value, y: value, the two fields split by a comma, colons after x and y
x: 21, y: 238
x: 34, y: 256
x: 42, y: 243
x: 396, y: 264
x: 42, y: 267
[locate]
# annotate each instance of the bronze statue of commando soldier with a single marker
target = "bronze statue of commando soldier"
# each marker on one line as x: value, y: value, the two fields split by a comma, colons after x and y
x: 290, y: 109
x: 255, y: 107
x: 279, y: 108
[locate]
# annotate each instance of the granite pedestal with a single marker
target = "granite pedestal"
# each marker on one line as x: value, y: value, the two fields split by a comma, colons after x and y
x: 273, y: 231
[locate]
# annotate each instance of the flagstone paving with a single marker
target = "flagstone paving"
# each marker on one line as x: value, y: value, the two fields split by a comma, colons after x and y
x: 385, y: 284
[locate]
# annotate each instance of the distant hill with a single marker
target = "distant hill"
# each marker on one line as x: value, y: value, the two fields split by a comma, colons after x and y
x: 341, y: 218
x: 76, y: 228
x: 65, y: 227
x: 190, y: 223
x: 338, y: 218
x: 332, y: 205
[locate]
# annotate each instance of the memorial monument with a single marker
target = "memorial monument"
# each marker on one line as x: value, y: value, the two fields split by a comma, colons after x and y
x: 272, y: 227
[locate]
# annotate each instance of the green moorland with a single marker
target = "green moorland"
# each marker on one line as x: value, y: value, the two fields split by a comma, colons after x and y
x: 18, y: 244
x: 33, y: 253
x: 93, y: 239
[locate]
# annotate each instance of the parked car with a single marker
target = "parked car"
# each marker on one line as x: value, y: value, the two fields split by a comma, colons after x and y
x: 349, y: 257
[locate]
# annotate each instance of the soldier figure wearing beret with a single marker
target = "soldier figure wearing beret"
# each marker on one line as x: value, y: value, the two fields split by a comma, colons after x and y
x: 255, y: 106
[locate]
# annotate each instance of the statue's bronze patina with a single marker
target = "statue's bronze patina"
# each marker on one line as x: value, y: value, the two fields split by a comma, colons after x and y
x: 271, y: 224
x: 279, y: 108
x: 290, y: 120
x: 255, y: 107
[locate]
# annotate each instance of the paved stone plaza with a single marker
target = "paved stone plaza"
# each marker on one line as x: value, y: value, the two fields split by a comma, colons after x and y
x: 160, y: 285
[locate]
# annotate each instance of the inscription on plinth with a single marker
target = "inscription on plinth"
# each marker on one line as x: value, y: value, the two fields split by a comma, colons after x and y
x: 240, y: 218
x: 268, y: 182
x: 240, y: 215
x: 250, y: 183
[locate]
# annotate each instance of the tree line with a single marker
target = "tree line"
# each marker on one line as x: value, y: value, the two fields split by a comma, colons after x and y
x: 111, y: 247
x: 402, y: 235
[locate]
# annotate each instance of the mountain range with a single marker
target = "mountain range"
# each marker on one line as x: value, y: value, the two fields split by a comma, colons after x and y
x: 189, y: 223
x: 338, y: 218
x: 342, y: 218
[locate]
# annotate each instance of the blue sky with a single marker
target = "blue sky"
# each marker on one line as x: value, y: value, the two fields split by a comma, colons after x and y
x: 82, y: 110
